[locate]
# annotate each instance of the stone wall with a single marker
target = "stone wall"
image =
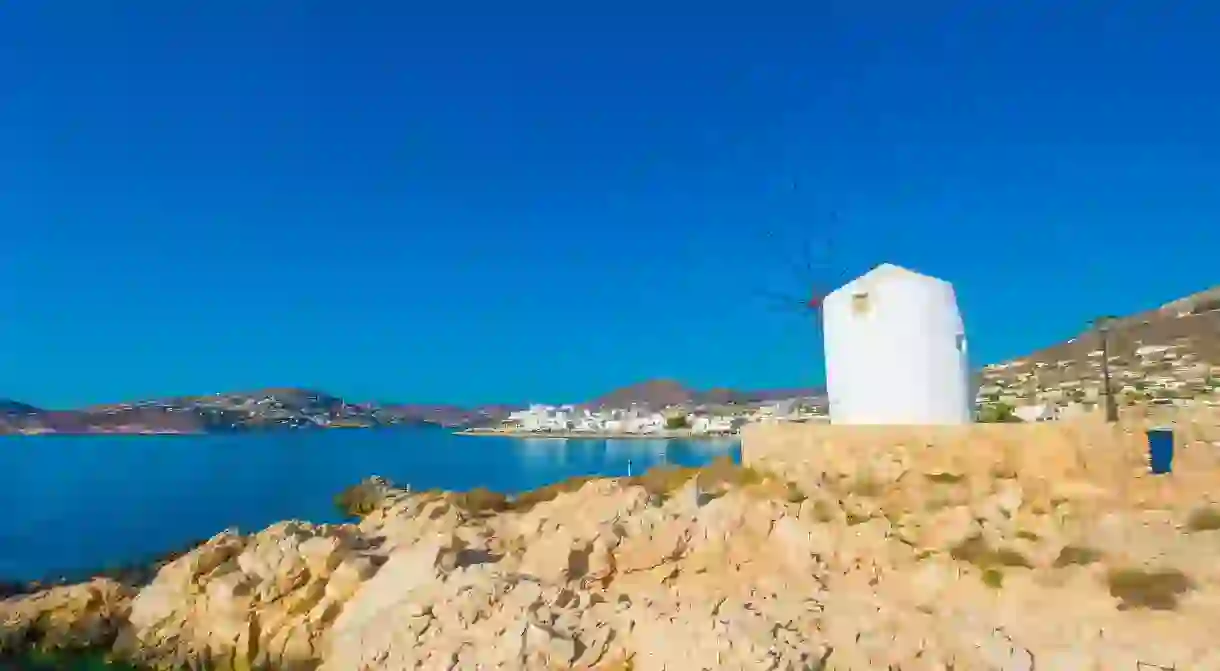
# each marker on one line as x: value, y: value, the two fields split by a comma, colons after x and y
x: 1111, y: 460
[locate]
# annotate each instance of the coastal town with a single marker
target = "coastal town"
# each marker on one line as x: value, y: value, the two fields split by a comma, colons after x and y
x: 638, y: 420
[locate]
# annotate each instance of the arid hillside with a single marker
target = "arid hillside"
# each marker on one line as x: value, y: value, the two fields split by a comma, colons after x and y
x: 1170, y: 354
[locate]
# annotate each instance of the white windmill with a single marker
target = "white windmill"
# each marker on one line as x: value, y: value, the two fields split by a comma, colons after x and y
x: 896, y: 351
x: 895, y: 348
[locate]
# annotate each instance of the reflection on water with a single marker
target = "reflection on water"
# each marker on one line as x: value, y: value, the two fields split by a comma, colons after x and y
x: 634, y: 449
x: 542, y: 461
x: 714, y: 446
x: 543, y: 453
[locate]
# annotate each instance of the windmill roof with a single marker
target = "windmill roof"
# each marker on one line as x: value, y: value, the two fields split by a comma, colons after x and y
x: 885, y: 271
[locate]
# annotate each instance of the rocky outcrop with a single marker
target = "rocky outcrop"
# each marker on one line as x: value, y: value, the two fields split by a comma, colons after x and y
x: 247, y: 602
x: 77, y: 616
x: 893, y: 562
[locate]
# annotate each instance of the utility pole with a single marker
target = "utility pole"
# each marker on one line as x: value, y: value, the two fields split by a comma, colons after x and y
x: 1103, y: 324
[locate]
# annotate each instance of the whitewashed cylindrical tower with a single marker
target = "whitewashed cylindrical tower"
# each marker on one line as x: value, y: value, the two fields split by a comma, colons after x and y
x: 896, y: 351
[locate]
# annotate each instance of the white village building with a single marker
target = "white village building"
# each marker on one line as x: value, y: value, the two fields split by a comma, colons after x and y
x: 896, y: 351
x: 1036, y: 412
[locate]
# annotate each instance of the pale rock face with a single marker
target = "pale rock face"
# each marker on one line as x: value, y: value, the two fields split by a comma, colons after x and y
x: 256, y: 600
x: 909, y: 561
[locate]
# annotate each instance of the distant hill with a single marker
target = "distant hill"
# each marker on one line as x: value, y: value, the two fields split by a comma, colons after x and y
x: 16, y: 409
x: 282, y: 408
x: 266, y: 409
x: 653, y: 393
x: 448, y: 415
x: 1169, y: 352
x: 20, y: 417
x: 723, y: 396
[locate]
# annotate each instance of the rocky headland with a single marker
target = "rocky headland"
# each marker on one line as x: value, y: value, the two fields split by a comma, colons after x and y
x: 235, y: 412
x: 1002, y: 547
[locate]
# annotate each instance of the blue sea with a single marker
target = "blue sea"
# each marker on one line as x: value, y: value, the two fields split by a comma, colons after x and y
x: 72, y: 504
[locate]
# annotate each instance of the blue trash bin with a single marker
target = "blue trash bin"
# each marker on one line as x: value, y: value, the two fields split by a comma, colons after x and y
x: 1160, y: 451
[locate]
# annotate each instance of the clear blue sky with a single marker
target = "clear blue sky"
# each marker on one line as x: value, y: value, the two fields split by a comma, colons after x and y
x: 527, y: 201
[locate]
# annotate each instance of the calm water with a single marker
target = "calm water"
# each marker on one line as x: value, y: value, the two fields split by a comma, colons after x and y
x: 76, y: 503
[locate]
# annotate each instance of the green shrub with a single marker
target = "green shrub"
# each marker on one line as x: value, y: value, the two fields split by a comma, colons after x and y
x: 997, y: 413
x: 360, y: 499
x: 481, y: 500
x: 993, y: 578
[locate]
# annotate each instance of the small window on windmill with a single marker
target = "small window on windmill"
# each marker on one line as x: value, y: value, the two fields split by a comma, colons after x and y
x: 860, y: 304
x: 961, y: 342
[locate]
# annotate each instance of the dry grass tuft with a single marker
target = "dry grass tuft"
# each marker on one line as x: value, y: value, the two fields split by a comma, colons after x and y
x: 776, y: 489
x: 993, y: 578
x: 976, y: 551
x: 663, y: 481
x: 853, y: 519
x: 527, y: 500
x: 943, y: 478
x: 990, y: 561
x: 724, y: 472
x: 721, y: 474
x: 1076, y: 555
x: 824, y: 511
x: 1155, y: 589
x: 481, y: 500
x: 865, y: 485
x: 1206, y: 518
x: 617, y: 664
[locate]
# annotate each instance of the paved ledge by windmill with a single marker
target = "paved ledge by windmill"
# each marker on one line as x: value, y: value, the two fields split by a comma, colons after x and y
x: 1111, y: 457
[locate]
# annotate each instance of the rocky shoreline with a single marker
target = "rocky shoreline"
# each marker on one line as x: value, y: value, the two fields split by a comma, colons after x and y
x: 36, y: 652
x: 134, y: 574
x: 883, y: 565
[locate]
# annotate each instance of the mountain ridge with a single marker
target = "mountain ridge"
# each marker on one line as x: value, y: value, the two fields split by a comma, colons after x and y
x: 301, y: 408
